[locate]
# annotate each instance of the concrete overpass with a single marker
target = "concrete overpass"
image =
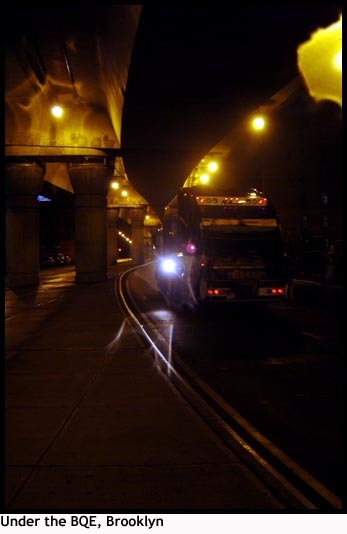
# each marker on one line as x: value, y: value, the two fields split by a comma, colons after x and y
x: 56, y: 59
x: 81, y: 61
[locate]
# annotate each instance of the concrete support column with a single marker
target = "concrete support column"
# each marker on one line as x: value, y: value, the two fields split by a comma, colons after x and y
x: 112, y: 235
x: 23, y: 184
x: 90, y: 182
x: 137, y: 216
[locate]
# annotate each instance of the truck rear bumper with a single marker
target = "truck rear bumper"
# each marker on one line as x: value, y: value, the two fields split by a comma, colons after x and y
x: 248, y: 292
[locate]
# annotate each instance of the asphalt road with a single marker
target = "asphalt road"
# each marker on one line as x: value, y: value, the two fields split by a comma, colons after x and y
x: 280, y: 369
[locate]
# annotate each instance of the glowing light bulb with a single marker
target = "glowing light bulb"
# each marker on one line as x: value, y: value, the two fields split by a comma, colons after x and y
x: 57, y: 111
x: 204, y: 178
x: 212, y: 166
x: 258, y: 123
x: 338, y: 61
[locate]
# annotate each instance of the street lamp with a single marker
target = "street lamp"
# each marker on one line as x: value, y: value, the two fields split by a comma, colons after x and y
x: 204, y: 178
x: 200, y: 174
x: 57, y: 111
x: 212, y: 166
x: 258, y: 123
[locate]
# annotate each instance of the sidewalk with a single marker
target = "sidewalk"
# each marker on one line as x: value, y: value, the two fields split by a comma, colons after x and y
x: 92, y: 425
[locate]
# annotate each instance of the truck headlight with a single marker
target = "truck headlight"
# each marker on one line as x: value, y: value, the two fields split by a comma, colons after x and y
x: 169, y: 265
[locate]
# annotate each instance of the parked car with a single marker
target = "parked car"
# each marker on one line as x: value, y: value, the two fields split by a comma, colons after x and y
x: 46, y: 259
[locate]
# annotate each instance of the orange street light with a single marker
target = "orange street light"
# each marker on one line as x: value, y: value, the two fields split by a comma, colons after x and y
x: 212, y: 166
x: 204, y: 178
x: 57, y: 111
x: 258, y: 123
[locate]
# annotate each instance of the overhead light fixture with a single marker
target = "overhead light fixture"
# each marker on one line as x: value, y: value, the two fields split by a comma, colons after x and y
x: 258, y: 123
x: 204, y: 178
x: 212, y: 166
x: 57, y: 111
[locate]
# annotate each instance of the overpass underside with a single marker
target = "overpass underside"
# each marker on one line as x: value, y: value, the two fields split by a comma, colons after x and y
x: 79, y: 62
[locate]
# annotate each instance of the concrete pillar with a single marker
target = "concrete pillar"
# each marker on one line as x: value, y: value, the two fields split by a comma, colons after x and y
x: 23, y: 184
x: 112, y: 235
x: 90, y: 183
x: 137, y: 216
x: 148, y: 244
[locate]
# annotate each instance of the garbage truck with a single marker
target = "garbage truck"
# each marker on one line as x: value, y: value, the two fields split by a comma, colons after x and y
x: 221, y: 245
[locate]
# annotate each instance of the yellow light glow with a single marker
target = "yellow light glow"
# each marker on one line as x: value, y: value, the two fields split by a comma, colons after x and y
x: 115, y: 185
x: 204, y: 178
x: 338, y: 61
x: 212, y: 166
x: 320, y: 63
x: 258, y: 123
x: 57, y: 111
x: 124, y: 193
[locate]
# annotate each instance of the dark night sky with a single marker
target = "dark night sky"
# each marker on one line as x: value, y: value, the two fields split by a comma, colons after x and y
x: 196, y: 69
